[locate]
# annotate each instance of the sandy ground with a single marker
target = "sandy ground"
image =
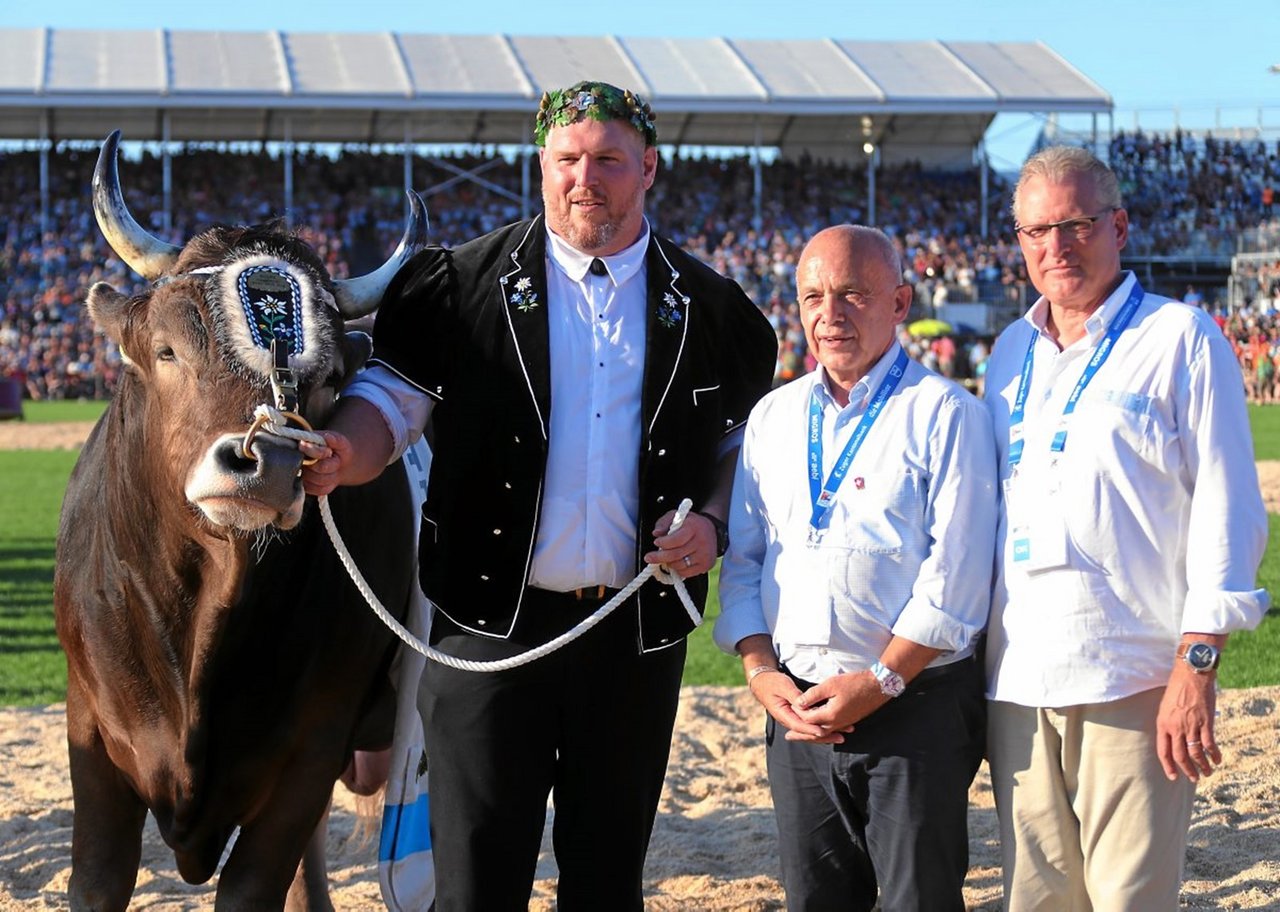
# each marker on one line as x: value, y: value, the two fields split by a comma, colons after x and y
x: 714, y: 845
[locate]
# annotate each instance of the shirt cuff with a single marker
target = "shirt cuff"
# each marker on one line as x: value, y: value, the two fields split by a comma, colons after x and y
x: 732, y: 627
x: 931, y: 627
x: 1224, y: 612
x: 386, y: 406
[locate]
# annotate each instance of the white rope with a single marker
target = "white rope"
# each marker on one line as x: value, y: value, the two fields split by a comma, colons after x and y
x: 654, y: 570
x: 276, y: 423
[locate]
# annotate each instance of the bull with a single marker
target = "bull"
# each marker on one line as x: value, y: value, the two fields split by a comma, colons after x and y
x: 221, y: 667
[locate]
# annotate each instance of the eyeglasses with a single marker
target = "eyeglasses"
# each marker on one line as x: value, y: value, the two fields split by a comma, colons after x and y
x: 1078, y: 228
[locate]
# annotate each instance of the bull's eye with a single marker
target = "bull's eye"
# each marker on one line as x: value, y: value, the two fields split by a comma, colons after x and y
x: 165, y: 354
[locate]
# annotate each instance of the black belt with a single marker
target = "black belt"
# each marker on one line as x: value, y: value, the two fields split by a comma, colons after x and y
x: 599, y: 593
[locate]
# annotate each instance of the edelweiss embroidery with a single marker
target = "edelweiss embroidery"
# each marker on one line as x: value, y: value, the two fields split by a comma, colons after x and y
x: 272, y: 305
x: 669, y: 314
x: 524, y: 298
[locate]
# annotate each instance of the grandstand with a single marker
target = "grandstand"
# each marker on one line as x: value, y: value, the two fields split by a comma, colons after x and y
x: 765, y: 143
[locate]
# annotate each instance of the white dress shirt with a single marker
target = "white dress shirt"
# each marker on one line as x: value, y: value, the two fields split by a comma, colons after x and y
x: 591, y: 496
x: 590, y: 500
x: 1149, y: 523
x: 908, y: 547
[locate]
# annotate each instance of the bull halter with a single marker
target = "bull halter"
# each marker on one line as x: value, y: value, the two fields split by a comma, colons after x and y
x: 660, y: 572
x: 265, y: 307
x: 284, y: 389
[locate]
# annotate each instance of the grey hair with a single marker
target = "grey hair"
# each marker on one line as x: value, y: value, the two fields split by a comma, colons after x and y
x: 1056, y: 163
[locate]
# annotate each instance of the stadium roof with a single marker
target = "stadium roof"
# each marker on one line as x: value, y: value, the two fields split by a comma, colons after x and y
x: 384, y: 87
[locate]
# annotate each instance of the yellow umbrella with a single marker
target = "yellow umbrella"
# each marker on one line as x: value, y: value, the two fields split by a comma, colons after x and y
x: 929, y: 327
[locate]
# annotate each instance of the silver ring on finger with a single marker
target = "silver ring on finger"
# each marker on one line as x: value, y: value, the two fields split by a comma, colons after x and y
x: 688, y: 561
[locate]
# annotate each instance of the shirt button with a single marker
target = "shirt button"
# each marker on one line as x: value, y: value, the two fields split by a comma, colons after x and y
x: 661, y: 498
x: 497, y: 531
x: 662, y: 452
x: 484, y: 577
x: 662, y: 594
x: 480, y: 622
x: 507, y: 485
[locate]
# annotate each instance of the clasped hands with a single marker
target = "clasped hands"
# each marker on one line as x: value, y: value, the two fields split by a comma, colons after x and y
x: 824, y: 713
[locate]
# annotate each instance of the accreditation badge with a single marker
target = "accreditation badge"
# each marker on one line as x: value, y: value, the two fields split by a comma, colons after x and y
x: 1038, y: 537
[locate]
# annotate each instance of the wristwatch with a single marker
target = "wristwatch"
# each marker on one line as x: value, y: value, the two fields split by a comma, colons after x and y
x: 1202, y: 657
x: 891, y: 683
x: 722, y: 533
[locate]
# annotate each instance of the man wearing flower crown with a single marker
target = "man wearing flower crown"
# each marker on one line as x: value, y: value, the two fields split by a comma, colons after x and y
x: 580, y: 375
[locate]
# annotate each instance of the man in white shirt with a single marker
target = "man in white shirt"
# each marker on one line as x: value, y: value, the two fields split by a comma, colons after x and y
x: 1130, y: 535
x: 855, y: 589
x: 580, y: 376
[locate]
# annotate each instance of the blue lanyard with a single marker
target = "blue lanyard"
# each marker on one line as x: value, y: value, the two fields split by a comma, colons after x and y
x: 824, y: 495
x: 1100, y: 355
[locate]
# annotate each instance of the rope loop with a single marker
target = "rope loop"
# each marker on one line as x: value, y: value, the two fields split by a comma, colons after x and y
x: 523, y: 658
x: 276, y: 422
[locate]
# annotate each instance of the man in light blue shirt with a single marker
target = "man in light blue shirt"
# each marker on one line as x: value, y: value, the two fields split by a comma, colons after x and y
x: 855, y: 588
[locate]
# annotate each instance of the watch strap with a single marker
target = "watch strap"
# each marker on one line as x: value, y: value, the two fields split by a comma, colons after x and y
x: 722, y: 532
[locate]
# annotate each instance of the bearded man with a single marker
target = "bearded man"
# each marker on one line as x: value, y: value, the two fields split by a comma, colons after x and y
x: 580, y: 375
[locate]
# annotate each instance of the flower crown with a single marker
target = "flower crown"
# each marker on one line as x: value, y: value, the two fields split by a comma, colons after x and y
x: 597, y: 100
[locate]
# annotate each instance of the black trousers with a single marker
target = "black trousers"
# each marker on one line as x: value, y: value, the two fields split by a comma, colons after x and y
x: 887, y: 811
x: 589, y: 724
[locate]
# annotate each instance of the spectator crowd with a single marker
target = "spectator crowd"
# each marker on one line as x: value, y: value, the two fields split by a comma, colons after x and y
x: 1186, y: 197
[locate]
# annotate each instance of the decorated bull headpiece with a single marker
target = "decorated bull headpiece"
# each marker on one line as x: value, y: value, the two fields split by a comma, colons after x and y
x: 268, y: 316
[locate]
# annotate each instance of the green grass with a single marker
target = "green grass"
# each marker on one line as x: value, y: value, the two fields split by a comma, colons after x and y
x: 706, y: 664
x: 70, y: 410
x: 32, y: 670
x: 1250, y: 656
x: 1264, y: 421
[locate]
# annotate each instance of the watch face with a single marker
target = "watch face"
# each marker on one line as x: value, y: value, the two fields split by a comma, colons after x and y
x: 1202, y: 656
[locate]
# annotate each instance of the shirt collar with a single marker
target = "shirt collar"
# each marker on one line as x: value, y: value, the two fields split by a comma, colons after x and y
x: 1096, y: 323
x: 622, y: 265
x: 862, y: 390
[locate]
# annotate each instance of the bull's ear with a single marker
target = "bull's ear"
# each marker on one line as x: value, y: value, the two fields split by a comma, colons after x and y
x: 356, y: 348
x: 107, y: 309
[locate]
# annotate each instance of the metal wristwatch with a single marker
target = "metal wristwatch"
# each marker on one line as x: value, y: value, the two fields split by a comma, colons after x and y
x: 891, y: 683
x: 1202, y: 657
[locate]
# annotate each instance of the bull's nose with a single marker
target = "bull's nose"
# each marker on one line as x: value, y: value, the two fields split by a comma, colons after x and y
x: 247, y: 492
x: 270, y: 457
x: 229, y: 457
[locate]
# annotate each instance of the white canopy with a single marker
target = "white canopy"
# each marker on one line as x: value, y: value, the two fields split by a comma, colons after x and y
x: 931, y: 100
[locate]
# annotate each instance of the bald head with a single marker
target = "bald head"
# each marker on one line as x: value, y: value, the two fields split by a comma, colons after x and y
x: 849, y: 285
x: 860, y: 240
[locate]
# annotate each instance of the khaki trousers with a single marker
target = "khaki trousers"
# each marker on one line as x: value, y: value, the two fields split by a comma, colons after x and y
x: 1088, y: 821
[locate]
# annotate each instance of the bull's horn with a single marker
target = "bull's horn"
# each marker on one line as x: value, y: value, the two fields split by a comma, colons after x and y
x: 148, y: 256
x: 361, y: 295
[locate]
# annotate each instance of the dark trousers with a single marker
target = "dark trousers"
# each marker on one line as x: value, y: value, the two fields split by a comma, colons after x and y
x: 589, y: 724
x: 887, y: 810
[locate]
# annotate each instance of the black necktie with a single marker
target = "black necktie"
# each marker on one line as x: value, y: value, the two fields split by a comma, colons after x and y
x: 597, y: 267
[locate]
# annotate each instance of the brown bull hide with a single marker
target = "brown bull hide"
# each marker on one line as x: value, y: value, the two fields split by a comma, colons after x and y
x: 222, y: 668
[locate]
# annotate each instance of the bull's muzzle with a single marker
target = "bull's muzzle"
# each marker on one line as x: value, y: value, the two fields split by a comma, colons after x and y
x: 248, y: 492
